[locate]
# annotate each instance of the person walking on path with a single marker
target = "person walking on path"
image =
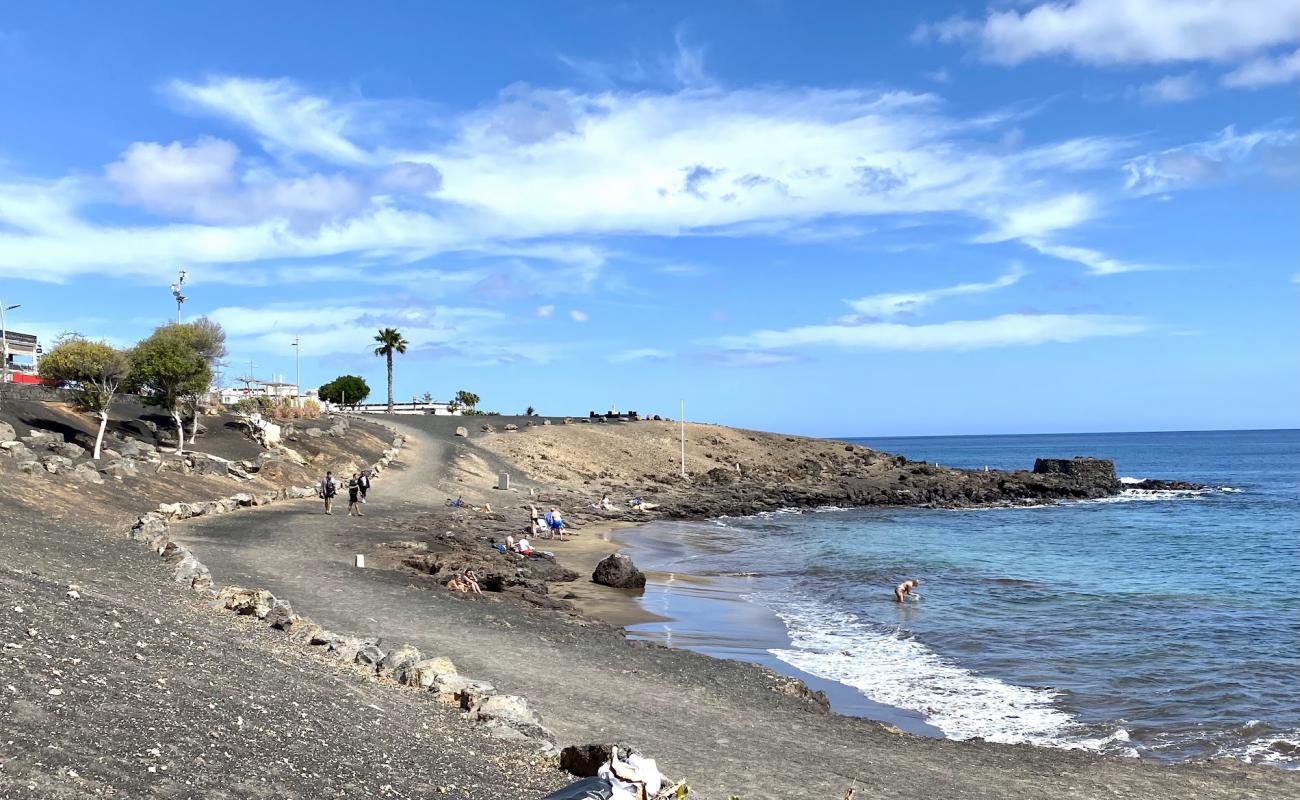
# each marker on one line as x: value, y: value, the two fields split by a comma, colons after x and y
x: 363, y: 483
x: 327, y: 491
x: 354, y: 494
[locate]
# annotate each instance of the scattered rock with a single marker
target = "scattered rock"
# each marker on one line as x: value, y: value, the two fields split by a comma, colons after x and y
x: 370, y: 656
x: 398, y: 658
x: 423, y: 673
x: 457, y: 690
x: 510, y: 426
x: 462, y: 432
x: 281, y: 617
x: 249, y: 602
x: 7, y: 432
x: 618, y: 571
x: 488, y: 428
x: 511, y: 711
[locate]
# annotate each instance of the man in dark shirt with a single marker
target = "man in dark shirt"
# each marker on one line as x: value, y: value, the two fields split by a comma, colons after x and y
x: 354, y: 491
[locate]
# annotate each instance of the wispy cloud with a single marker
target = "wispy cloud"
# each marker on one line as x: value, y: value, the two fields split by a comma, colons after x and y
x: 641, y: 354
x: 578, y: 316
x: 1264, y: 71
x: 1169, y: 89
x: 884, y: 306
x: 1006, y: 330
x: 1269, y: 151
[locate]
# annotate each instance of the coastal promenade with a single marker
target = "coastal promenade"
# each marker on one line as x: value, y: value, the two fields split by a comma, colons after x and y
x: 718, y: 724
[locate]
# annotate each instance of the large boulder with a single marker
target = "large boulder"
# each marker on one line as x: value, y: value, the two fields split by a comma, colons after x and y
x: 7, y: 432
x: 85, y: 472
x: 618, y: 571
x: 207, y: 465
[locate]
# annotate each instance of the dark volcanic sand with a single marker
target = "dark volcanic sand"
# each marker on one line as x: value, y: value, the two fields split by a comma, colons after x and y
x: 717, y: 723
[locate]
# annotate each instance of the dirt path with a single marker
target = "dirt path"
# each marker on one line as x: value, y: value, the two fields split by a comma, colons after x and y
x: 715, y: 722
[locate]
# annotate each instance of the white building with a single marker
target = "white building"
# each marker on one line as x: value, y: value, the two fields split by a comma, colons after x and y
x: 277, y: 389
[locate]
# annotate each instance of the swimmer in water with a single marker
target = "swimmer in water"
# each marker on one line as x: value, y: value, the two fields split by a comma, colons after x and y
x: 904, y: 590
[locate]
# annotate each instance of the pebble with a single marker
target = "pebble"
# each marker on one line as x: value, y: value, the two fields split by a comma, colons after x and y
x: 56, y: 692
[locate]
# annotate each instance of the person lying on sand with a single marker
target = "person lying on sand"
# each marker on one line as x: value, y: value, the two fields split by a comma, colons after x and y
x: 486, y: 508
x: 904, y: 590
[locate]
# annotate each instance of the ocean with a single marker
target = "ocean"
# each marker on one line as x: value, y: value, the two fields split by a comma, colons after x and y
x: 1163, y: 625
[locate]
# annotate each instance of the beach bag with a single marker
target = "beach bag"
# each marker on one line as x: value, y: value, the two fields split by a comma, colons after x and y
x: 593, y: 788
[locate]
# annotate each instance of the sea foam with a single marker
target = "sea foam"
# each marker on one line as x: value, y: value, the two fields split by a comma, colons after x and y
x: 889, y: 666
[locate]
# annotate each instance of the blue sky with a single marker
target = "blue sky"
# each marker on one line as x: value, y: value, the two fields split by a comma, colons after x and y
x: 886, y: 219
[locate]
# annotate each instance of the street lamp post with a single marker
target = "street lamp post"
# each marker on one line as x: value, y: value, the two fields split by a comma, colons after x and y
x: 4, y: 338
x: 180, y: 298
x: 297, y: 372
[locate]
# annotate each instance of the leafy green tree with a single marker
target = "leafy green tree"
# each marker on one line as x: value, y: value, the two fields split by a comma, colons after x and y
x: 390, y: 341
x: 530, y: 412
x: 208, y: 339
x: 345, y: 389
x: 467, y: 400
x: 95, y: 370
x: 167, y: 368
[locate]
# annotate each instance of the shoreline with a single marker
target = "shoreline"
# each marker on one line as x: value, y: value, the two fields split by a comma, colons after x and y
x: 689, y: 602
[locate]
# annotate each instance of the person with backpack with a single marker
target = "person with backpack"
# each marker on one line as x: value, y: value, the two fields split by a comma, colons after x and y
x: 327, y: 491
x: 363, y: 484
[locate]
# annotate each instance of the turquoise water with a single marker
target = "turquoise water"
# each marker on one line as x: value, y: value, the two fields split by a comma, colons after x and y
x: 1163, y: 625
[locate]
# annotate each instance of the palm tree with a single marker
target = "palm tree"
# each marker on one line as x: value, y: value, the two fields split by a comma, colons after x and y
x: 390, y: 341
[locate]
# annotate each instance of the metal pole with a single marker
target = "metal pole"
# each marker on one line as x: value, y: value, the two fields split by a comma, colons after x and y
x: 4, y: 341
x: 4, y: 337
x: 297, y: 373
x: 683, y: 438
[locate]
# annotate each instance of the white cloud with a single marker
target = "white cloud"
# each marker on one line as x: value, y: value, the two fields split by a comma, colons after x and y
x: 883, y: 306
x: 1002, y: 331
x: 348, y: 329
x: 1267, y: 151
x: 545, y: 312
x: 641, y: 354
x: 766, y: 161
x: 1036, y: 220
x: 578, y: 316
x: 1169, y: 89
x: 280, y: 112
x: 1108, y: 32
x: 199, y: 182
x: 1096, y: 262
x: 1264, y: 71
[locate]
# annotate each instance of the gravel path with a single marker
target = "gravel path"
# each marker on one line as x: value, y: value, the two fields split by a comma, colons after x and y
x: 717, y: 723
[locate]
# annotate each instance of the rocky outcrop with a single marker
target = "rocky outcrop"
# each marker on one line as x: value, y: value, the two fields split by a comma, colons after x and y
x: 1096, y: 471
x: 618, y: 571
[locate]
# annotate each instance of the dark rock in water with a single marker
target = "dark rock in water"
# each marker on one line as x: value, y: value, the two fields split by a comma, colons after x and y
x: 1153, y: 485
x: 1086, y: 470
x: 618, y: 571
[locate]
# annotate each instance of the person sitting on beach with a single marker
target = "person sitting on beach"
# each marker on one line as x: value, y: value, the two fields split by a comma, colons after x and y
x: 904, y: 590
x: 522, y: 547
x: 465, y: 584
